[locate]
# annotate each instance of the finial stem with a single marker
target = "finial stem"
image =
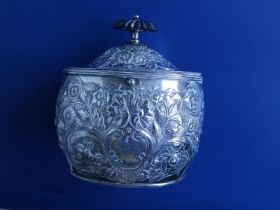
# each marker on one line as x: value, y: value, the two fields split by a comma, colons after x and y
x: 135, y: 37
x: 135, y: 27
x: 135, y: 33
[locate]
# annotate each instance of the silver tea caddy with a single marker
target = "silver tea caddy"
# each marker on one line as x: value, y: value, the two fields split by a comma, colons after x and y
x: 130, y: 118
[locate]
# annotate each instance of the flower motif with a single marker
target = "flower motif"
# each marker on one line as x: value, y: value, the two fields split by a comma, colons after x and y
x: 97, y: 98
x: 157, y: 97
x: 74, y: 90
x: 192, y: 124
x: 76, y: 115
x: 84, y: 149
x: 142, y: 175
x: 132, y: 57
x: 129, y: 134
x: 194, y: 98
x: 143, y: 114
x: 117, y: 111
x: 111, y: 173
x: 176, y: 162
x: 171, y: 159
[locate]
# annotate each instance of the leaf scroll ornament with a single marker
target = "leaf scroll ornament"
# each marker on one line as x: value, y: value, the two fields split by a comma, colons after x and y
x: 128, y: 135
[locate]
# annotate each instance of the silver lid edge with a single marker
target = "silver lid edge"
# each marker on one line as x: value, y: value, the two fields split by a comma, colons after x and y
x: 141, y: 74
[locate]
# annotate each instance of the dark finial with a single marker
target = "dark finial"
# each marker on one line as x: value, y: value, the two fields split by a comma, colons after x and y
x: 135, y: 27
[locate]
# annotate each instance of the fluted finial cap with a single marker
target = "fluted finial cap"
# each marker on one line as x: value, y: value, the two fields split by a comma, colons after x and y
x: 135, y: 26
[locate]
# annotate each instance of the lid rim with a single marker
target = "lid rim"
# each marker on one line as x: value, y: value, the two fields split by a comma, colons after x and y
x: 142, y: 73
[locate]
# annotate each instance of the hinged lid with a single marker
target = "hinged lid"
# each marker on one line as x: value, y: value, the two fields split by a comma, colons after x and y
x: 133, y: 57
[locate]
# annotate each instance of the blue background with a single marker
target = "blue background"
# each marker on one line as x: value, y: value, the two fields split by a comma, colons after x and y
x: 234, y: 43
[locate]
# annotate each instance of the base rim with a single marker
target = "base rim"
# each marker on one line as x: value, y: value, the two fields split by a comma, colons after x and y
x: 126, y: 185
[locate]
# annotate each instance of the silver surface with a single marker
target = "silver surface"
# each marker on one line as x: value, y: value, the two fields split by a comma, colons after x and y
x: 130, y: 118
x: 129, y: 131
x: 138, y: 73
x: 133, y: 57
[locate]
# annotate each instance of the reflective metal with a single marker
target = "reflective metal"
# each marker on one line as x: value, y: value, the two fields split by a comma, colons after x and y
x: 120, y: 123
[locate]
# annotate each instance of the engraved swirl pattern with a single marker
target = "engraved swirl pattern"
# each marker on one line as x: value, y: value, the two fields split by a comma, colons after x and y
x: 128, y: 135
x: 132, y: 57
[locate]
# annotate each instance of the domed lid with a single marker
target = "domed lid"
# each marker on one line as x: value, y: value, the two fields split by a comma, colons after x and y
x: 133, y: 57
